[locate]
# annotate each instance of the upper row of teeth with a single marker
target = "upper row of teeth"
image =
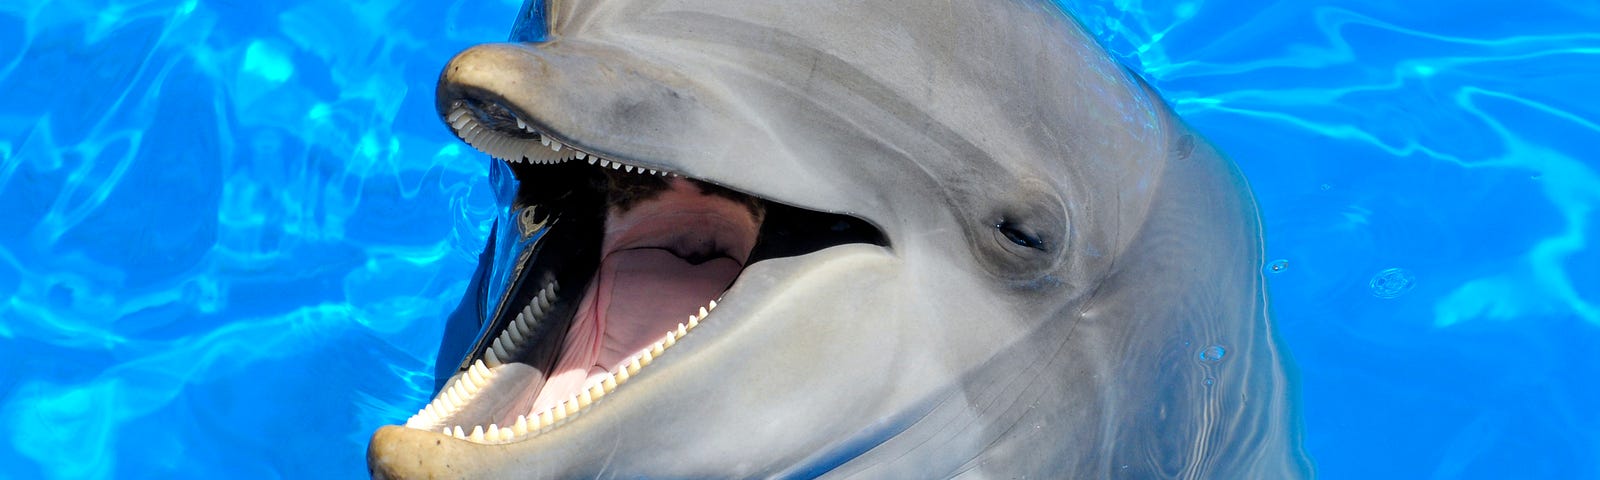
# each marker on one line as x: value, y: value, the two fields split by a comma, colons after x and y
x: 547, y: 151
x: 479, y: 376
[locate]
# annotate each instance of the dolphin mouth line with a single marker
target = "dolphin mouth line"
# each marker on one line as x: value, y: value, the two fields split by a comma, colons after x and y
x: 524, y: 144
x: 650, y: 253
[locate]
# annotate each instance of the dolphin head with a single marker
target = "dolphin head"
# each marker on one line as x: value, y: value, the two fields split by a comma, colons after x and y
x: 817, y: 237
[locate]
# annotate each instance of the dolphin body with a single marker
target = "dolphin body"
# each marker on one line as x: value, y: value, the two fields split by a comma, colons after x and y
x: 1033, y: 268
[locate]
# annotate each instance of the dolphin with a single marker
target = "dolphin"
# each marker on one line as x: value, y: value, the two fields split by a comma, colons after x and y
x: 823, y: 238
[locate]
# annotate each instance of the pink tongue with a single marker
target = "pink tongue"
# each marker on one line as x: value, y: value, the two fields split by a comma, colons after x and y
x: 636, y: 297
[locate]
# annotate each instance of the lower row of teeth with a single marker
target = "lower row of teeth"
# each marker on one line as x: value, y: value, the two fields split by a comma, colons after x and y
x: 479, y: 375
x: 546, y: 150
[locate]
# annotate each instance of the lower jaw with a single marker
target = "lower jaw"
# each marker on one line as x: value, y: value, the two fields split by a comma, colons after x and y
x: 634, y: 304
x: 636, y: 297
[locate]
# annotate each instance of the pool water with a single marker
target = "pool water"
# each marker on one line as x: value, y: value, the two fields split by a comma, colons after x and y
x: 229, y: 231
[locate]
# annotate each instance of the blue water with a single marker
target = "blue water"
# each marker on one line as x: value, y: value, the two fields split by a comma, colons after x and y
x: 229, y: 230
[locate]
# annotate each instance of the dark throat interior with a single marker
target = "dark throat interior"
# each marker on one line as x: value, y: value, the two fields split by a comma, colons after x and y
x: 573, y: 198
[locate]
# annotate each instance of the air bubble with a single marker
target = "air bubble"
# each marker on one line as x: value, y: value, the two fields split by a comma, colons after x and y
x: 1392, y: 283
x: 1277, y: 266
x: 1213, y: 354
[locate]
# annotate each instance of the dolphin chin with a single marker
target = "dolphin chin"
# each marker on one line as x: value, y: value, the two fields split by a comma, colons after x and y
x: 821, y: 238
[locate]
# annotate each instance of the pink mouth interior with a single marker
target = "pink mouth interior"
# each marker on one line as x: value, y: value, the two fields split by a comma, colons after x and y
x: 645, y: 286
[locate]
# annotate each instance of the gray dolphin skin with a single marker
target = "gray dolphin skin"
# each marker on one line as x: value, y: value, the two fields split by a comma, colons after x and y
x: 822, y: 238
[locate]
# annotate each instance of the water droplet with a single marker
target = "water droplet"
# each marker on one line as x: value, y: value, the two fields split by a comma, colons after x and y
x: 1210, y: 381
x: 1213, y: 354
x: 1392, y: 283
x: 1277, y: 266
x: 1325, y: 187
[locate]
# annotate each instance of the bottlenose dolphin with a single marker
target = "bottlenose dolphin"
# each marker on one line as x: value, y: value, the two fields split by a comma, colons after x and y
x: 846, y: 239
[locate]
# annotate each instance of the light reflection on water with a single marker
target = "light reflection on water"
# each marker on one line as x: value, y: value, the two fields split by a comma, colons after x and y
x: 229, y: 231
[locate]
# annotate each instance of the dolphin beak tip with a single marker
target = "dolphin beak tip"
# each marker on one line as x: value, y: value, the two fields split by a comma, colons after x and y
x: 400, y: 452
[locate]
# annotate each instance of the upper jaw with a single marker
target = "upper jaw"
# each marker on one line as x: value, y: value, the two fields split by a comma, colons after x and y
x: 514, y: 87
x: 668, y: 116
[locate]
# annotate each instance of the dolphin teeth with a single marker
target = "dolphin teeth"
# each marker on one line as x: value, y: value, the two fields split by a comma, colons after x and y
x: 547, y: 417
x: 521, y: 427
x: 502, y: 351
x: 480, y: 374
x: 581, y: 155
x: 517, y: 337
x: 423, y: 417
x: 605, y: 163
x: 484, y: 375
x: 492, y: 357
x: 594, y: 160
x: 530, y: 317
x: 524, y: 333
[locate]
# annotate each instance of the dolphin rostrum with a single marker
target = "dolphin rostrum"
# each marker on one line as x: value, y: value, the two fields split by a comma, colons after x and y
x: 845, y: 239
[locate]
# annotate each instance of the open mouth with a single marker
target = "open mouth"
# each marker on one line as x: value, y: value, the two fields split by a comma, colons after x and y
x: 624, y: 259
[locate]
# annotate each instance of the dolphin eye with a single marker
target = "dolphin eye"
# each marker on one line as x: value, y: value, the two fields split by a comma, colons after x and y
x: 1018, y: 236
